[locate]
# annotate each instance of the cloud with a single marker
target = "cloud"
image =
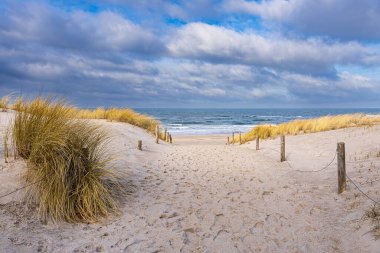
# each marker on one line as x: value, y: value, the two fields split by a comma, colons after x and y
x: 183, y: 10
x: 77, y: 30
x: 108, y: 58
x: 340, y: 19
x: 313, y: 56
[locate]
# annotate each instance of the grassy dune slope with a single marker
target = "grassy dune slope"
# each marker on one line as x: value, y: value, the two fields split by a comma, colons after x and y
x: 295, y: 127
x: 113, y: 114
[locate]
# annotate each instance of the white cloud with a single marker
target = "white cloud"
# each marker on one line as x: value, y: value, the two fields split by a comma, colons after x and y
x: 218, y: 44
x: 105, y: 31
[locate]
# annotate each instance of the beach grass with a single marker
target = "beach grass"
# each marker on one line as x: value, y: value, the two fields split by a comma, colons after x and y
x: 67, y: 162
x: 125, y: 115
x: 121, y: 115
x: 4, y: 103
x: 315, y: 125
x: 17, y: 103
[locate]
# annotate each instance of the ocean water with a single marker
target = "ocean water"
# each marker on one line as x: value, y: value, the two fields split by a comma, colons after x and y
x: 225, y: 121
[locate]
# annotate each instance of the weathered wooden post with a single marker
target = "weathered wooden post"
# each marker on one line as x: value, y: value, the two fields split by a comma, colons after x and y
x: 139, y: 144
x: 14, y: 151
x: 6, y: 152
x: 233, y: 137
x: 165, y: 134
x: 282, y: 148
x: 228, y: 140
x: 257, y: 143
x: 240, y: 138
x: 157, y: 133
x: 170, y: 139
x: 341, y: 167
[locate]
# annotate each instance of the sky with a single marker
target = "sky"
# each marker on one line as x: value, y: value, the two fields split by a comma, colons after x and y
x: 200, y: 53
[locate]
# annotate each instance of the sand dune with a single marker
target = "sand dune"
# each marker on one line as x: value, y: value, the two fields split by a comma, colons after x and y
x: 200, y: 195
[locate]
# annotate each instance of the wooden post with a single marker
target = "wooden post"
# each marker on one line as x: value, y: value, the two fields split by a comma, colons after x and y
x: 6, y: 153
x: 233, y: 137
x: 282, y: 148
x: 157, y: 133
x: 240, y: 138
x: 228, y: 140
x: 165, y: 134
x: 341, y: 167
x: 257, y: 143
x: 14, y: 151
x: 170, y: 139
x: 139, y: 144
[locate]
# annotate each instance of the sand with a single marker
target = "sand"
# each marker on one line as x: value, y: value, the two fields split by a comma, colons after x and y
x: 200, y: 195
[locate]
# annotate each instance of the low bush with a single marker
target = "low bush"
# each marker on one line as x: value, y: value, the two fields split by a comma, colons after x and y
x: 67, y: 162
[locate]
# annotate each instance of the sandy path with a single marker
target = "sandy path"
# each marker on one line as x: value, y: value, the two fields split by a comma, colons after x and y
x: 204, y: 196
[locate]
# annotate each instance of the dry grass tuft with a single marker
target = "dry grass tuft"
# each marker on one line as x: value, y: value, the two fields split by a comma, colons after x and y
x: 67, y: 160
x: 4, y: 103
x: 373, y: 214
x: 310, y: 126
x: 17, y: 104
x: 121, y: 115
x: 113, y: 114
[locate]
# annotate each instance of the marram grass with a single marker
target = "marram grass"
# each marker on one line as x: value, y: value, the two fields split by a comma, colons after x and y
x: 113, y: 114
x: 67, y: 162
x: 4, y: 103
x: 120, y: 115
x: 321, y: 124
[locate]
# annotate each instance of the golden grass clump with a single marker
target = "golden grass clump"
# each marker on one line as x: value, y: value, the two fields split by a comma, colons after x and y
x: 17, y: 104
x: 321, y: 124
x: 67, y: 162
x: 4, y: 103
x: 120, y: 115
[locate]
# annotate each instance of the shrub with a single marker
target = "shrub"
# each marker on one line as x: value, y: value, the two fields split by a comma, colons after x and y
x: 67, y: 162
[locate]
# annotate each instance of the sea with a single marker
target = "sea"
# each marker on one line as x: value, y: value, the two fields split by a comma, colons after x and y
x: 226, y: 121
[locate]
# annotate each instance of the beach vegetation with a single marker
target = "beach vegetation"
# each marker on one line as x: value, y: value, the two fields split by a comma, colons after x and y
x: 120, y: 115
x: 4, y: 103
x: 17, y: 103
x: 125, y: 115
x: 68, y: 165
x: 321, y: 124
x: 373, y: 214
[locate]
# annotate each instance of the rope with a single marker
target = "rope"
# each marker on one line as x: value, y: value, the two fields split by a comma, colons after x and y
x: 19, y: 189
x: 357, y: 187
x: 328, y: 165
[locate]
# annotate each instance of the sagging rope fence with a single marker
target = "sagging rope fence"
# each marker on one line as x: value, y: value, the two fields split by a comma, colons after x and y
x: 340, y: 156
x: 21, y: 188
x: 167, y: 137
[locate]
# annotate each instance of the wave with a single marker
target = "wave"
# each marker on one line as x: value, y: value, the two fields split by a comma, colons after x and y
x: 208, y: 129
x: 372, y: 115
